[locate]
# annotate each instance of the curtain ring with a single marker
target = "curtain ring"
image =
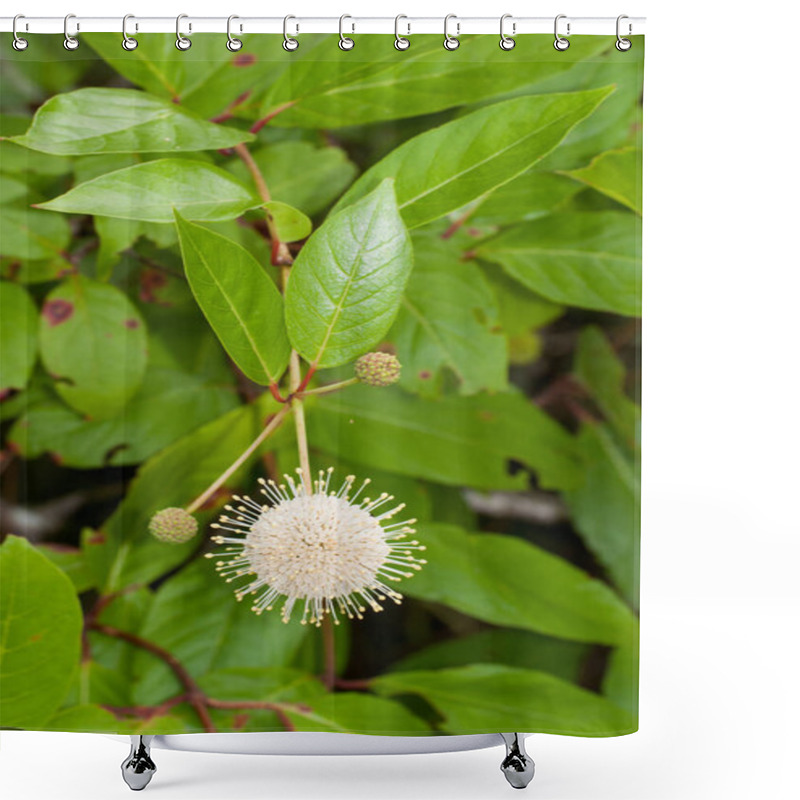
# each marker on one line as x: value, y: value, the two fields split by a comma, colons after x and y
x: 400, y: 42
x: 289, y: 44
x: 128, y: 42
x: 18, y: 43
x: 560, y: 43
x: 181, y: 42
x: 345, y: 42
x: 623, y: 45
x: 506, y: 42
x: 70, y: 42
x: 451, y: 42
x: 233, y: 44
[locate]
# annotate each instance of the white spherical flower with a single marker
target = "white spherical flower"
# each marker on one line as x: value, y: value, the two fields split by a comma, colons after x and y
x: 328, y: 549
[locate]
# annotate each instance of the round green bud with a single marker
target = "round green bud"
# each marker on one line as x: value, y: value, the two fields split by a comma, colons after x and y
x: 173, y: 525
x: 378, y: 369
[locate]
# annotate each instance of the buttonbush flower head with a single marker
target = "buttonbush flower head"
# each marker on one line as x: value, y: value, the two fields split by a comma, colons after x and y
x: 378, y: 369
x: 329, y: 551
x: 173, y: 525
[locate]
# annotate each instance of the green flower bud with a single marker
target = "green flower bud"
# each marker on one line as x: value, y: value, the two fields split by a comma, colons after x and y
x: 173, y: 525
x: 378, y: 369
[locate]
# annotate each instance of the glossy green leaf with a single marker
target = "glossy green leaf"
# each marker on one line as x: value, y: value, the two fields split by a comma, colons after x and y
x: 618, y: 174
x: 513, y: 648
x: 328, y: 88
x: 29, y: 233
x: 481, y: 697
x: 218, y: 633
x: 355, y: 712
x: 291, y: 225
x: 18, y: 327
x: 26, y: 164
x: 447, y: 167
x: 301, y: 174
x: 153, y: 190
x: 101, y: 120
x: 94, y: 344
x: 508, y: 581
x: 448, y: 320
x: 89, y: 718
x: 241, y: 303
x: 169, y: 405
x: 585, y: 259
x: 345, y: 287
x: 458, y: 441
x: 601, y: 372
x: 40, y: 635
x: 605, y: 507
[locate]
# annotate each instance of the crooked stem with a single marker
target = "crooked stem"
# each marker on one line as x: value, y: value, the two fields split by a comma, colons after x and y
x: 271, y: 426
x: 329, y: 648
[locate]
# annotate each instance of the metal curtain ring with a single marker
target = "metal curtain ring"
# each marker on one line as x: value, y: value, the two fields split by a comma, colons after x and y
x: 181, y: 42
x: 18, y: 43
x: 623, y: 45
x: 451, y: 42
x: 233, y: 44
x: 289, y: 44
x: 345, y: 42
x: 70, y: 42
x: 400, y: 42
x: 506, y: 42
x: 128, y: 43
x: 560, y: 43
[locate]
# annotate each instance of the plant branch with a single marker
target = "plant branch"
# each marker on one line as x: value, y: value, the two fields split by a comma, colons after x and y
x: 271, y: 426
x: 329, y: 647
x: 331, y: 387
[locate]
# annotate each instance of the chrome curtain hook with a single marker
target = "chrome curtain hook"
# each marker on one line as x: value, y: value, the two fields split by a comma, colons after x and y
x: 181, y: 42
x: 70, y: 42
x: 506, y: 42
x: 233, y: 44
x: 128, y: 42
x: 289, y: 44
x: 623, y: 45
x: 18, y: 43
x: 560, y: 43
x: 451, y: 42
x: 400, y: 42
x: 345, y: 42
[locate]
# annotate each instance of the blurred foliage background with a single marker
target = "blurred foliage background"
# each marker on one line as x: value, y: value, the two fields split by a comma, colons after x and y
x: 513, y: 435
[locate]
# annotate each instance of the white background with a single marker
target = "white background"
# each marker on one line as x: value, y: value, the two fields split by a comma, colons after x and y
x: 719, y: 682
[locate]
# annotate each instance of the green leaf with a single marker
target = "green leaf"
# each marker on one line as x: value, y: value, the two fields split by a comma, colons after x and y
x: 605, y: 508
x: 520, y: 309
x: 513, y: 648
x: 40, y: 635
x: 301, y: 174
x: 102, y: 120
x: 70, y: 561
x: 481, y: 697
x: 584, y: 259
x: 292, y: 225
x: 11, y: 189
x: 117, y: 235
x: 153, y: 190
x: 170, y: 404
x: 458, y: 441
x: 345, y: 287
x: 240, y: 301
x: 621, y: 681
x: 26, y: 164
x: 445, y: 168
x: 18, y: 326
x: 327, y: 88
x: 29, y: 233
x: 94, y: 343
x: 355, y: 712
x: 218, y: 633
x: 618, y: 174
x: 87, y: 718
x: 601, y: 372
x: 448, y: 320
x: 508, y: 581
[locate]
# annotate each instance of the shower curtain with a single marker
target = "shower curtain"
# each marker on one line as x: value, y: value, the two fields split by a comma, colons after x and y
x: 319, y: 385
